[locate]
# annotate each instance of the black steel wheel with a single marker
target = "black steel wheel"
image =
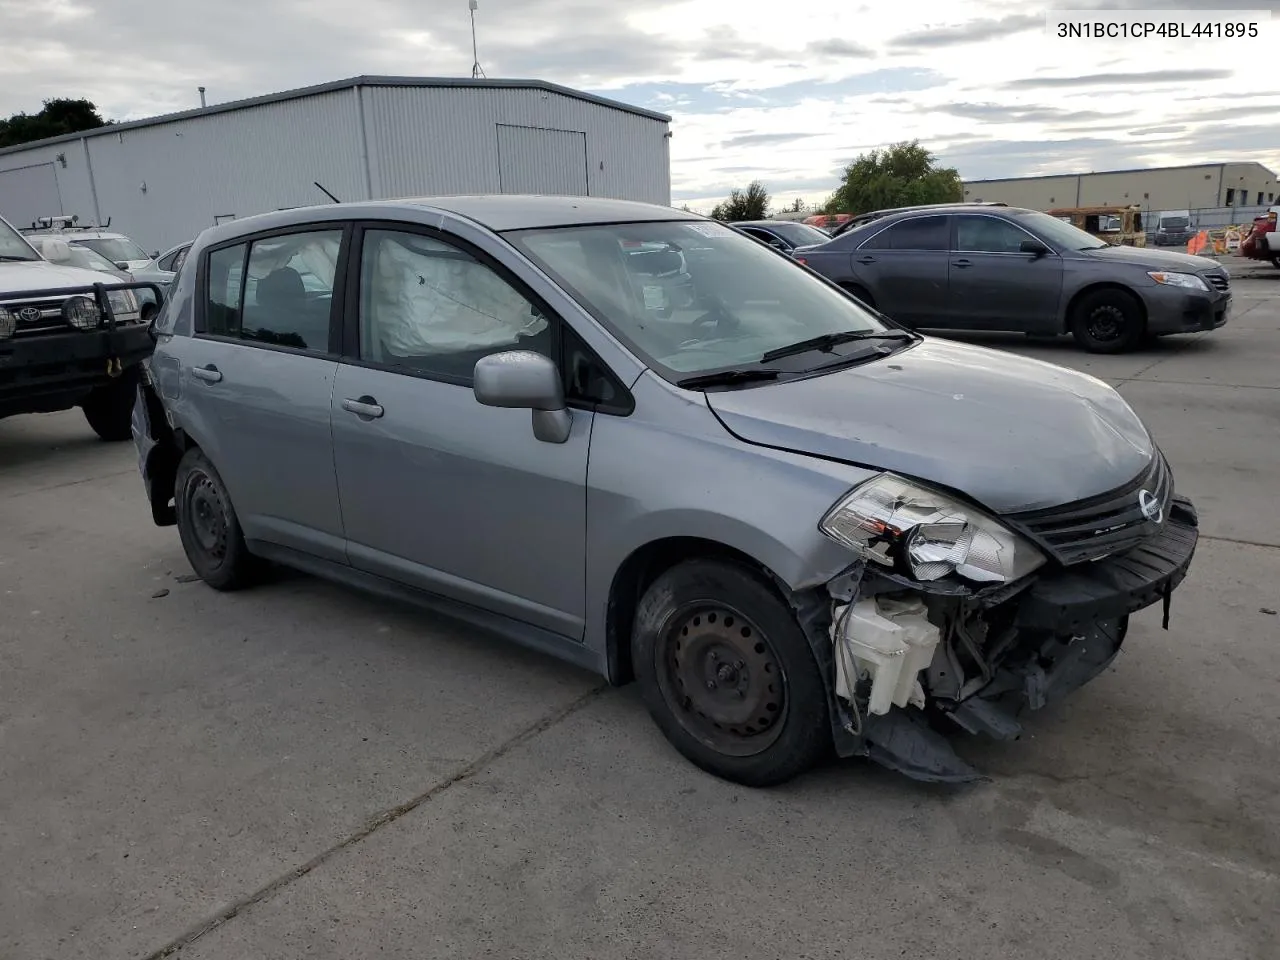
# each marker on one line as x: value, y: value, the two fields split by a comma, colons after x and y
x: 208, y: 526
x: 1108, y: 321
x: 728, y: 675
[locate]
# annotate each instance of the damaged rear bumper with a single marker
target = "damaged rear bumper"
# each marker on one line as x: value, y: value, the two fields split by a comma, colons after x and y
x: 1000, y: 652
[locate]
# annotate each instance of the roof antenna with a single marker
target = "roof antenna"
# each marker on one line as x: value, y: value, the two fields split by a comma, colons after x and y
x: 476, y: 70
x: 326, y: 192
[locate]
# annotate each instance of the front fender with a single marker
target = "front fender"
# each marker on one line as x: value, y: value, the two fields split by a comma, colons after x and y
x: 158, y: 453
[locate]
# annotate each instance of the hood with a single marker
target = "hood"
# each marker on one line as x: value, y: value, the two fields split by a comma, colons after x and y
x: 1013, y: 434
x: 134, y: 264
x: 16, y: 276
x: 1153, y: 259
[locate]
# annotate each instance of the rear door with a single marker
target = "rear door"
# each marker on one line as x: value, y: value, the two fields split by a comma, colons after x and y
x: 993, y: 285
x: 256, y: 381
x: 904, y: 268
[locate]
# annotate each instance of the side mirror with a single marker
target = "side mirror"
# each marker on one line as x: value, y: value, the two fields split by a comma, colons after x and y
x: 121, y: 265
x: 1034, y: 247
x: 155, y: 254
x: 526, y: 380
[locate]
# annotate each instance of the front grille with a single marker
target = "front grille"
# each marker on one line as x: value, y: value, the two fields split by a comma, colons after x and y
x: 1219, y: 281
x: 1100, y: 526
x: 50, y: 318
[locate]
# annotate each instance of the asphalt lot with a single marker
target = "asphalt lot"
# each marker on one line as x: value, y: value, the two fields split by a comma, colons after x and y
x: 302, y: 771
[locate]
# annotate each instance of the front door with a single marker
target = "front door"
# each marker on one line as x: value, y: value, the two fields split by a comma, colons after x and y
x: 256, y: 379
x: 438, y: 491
x: 993, y: 285
x: 904, y: 268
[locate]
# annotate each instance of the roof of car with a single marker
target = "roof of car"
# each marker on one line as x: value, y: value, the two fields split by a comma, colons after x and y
x: 500, y: 212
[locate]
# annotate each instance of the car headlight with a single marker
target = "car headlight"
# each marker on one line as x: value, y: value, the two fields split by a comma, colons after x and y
x: 928, y: 535
x: 123, y: 304
x: 8, y: 324
x: 1188, y: 280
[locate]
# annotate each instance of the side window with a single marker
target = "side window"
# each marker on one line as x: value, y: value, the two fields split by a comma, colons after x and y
x: 288, y: 289
x: 179, y: 258
x: 432, y: 308
x: 988, y: 235
x: 222, y: 313
x: 919, y: 233
x: 166, y: 262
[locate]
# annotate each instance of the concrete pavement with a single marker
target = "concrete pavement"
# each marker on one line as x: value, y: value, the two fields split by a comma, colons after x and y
x: 300, y: 770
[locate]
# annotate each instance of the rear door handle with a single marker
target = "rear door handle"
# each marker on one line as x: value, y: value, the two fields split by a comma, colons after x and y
x: 208, y: 373
x: 961, y: 262
x: 366, y: 408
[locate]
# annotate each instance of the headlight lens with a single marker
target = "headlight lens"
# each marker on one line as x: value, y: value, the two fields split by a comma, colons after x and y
x: 1188, y: 280
x: 8, y: 323
x: 82, y: 313
x: 123, y: 304
x: 897, y: 523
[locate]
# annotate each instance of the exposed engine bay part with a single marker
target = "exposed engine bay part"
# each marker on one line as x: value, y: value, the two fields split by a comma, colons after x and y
x: 885, y: 643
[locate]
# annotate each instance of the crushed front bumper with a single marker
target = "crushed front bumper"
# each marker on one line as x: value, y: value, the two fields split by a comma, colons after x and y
x: 1010, y: 650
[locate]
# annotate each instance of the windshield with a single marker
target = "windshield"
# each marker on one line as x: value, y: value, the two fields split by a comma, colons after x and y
x: 692, y: 296
x: 91, y: 260
x: 12, y: 246
x: 798, y: 234
x: 1173, y: 223
x: 1060, y: 234
x: 116, y: 249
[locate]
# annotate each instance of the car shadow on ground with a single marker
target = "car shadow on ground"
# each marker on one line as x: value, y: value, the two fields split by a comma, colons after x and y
x: 21, y: 446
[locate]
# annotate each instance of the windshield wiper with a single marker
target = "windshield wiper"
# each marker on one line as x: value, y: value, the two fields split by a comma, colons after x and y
x: 826, y: 341
x: 9, y: 256
x: 726, y: 378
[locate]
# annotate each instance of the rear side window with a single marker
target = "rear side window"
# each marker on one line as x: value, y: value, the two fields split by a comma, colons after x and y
x: 918, y: 233
x: 280, y: 294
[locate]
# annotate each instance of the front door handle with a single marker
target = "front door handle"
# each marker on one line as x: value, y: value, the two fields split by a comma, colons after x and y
x: 961, y: 262
x: 208, y: 373
x: 866, y: 259
x: 366, y: 408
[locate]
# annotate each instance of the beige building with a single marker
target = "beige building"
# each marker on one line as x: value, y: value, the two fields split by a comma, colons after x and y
x: 1160, y: 188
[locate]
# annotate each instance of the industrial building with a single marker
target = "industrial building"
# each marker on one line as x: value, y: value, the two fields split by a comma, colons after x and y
x: 165, y: 179
x: 1196, y: 187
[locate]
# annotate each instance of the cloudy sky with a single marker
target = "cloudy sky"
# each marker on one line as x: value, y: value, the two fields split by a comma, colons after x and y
x: 786, y: 92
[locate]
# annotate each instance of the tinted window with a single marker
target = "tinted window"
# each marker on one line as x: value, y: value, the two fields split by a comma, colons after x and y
x: 166, y: 262
x: 988, y: 235
x: 179, y: 259
x: 433, y: 308
x: 222, y: 313
x: 798, y: 234
x: 918, y: 233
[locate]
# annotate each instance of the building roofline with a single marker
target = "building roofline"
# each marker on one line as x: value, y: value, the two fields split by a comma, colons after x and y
x: 1098, y: 173
x: 335, y: 86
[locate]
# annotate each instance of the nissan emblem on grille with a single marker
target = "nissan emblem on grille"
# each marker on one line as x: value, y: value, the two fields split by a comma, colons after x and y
x: 1150, y: 506
x: 29, y: 314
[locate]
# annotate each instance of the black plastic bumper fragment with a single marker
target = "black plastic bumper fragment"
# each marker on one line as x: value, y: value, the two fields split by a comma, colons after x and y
x: 157, y: 455
x: 1078, y: 597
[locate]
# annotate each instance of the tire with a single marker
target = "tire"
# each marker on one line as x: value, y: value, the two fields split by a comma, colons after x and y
x: 109, y: 408
x: 148, y: 311
x: 727, y: 674
x: 1275, y: 262
x: 208, y: 526
x: 1108, y: 321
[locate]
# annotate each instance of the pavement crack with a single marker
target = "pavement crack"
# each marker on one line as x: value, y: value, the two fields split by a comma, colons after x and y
x: 1241, y: 542
x: 269, y: 890
x: 69, y: 483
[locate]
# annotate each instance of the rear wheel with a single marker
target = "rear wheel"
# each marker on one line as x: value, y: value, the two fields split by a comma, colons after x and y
x: 1275, y: 261
x: 727, y: 674
x: 1108, y: 321
x: 109, y: 408
x: 208, y: 526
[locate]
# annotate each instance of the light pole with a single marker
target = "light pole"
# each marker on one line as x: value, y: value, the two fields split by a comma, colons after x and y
x: 476, y: 70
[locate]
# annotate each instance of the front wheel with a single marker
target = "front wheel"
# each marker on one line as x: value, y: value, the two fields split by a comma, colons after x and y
x: 1275, y: 261
x: 728, y: 675
x: 1108, y: 321
x: 208, y: 526
x: 109, y: 408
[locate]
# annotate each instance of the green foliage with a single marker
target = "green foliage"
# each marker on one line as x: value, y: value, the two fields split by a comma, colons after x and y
x: 753, y: 204
x: 56, y: 117
x: 902, y: 175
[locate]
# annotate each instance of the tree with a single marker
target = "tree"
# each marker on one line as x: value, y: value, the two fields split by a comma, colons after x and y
x: 797, y: 206
x: 753, y: 204
x: 902, y: 175
x: 56, y: 117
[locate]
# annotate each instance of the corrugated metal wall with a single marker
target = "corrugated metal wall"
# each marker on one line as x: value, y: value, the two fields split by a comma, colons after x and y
x: 536, y: 160
x: 32, y: 192
x: 163, y: 184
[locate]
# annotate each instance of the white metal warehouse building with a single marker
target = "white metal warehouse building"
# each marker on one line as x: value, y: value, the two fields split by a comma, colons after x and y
x: 163, y: 180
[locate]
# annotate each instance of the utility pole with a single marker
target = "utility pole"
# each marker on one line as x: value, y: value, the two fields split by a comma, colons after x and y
x: 201, y: 89
x: 476, y: 70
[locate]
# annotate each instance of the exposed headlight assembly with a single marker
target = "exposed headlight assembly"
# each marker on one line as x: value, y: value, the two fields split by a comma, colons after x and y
x: 1188, y: 280
x: 123, y: 304
x: 927, y: 535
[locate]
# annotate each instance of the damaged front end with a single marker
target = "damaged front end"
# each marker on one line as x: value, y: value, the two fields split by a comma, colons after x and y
x: 953, y: 620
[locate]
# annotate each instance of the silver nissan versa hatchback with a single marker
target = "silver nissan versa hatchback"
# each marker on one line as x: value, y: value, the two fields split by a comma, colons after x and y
x: 800, y: 527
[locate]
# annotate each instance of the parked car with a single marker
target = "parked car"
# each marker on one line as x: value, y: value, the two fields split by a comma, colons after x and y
x: 1117, y: 225
x: 121, y: 250
x: 795, y: 523
x: 1262, y: 241
x: 1006, y: 268
x: 69, y: 336
x: 56, y: 250
x: 1173, y: 228
x: 782, y: 235
x: 868, y: 216
x: 160, y: 270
